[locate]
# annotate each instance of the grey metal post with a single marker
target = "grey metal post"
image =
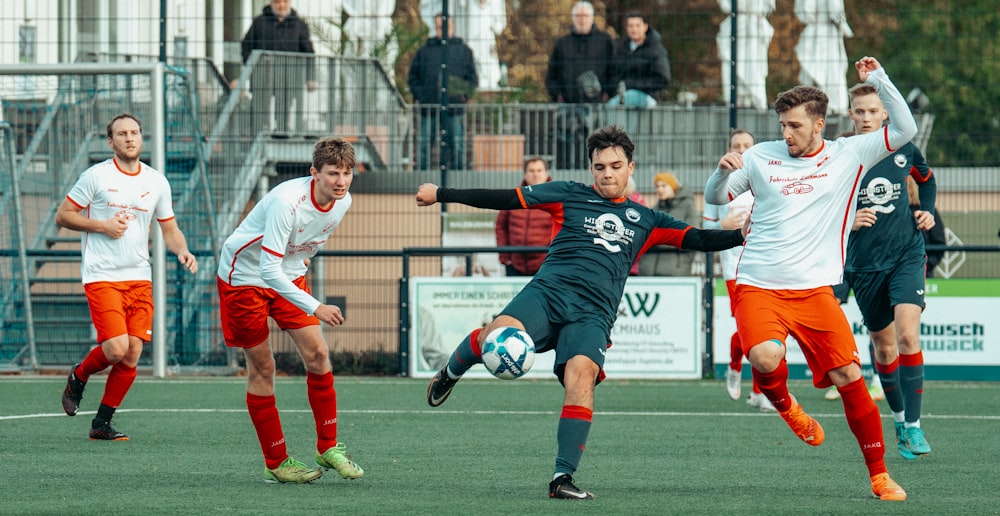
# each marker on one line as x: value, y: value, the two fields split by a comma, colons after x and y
x: 159, y: 159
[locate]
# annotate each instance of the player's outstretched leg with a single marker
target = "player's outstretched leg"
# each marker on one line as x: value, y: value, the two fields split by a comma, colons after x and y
x: 73, y: 393
x: 465, y: 356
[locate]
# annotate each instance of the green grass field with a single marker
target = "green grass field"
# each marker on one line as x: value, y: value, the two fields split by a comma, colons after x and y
x: 666, y: 447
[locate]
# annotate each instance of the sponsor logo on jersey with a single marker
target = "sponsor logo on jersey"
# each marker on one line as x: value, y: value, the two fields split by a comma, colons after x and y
x: 632, y: 215
x: 796, y: 188
x: 609, y: 230
x: 899, y: 160
x: 774, y: 162
x: 125, y: 215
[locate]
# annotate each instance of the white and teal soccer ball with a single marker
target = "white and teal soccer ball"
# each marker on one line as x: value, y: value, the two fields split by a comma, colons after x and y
x: 508, y: 353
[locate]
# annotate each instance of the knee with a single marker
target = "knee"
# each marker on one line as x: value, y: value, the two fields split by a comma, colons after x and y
x: 263, y: 368
x: 317, y: 360
x: 116, y: 349
x: 909, y: 343
x: 766, y: 356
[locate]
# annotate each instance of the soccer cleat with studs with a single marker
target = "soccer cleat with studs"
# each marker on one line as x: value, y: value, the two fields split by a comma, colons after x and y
x: 562, y: 487
x: 885, y: 488
x: 804, y: 426
x: 916, y: 441
x: 291, y: 471
x: 336, y: 458
x: 733, y: 379
x: 440, y: 387
x: 103, y: 431
x: 73, y: 392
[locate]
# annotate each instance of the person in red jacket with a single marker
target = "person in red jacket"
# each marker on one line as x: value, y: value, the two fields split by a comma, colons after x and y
x: 529, y: 228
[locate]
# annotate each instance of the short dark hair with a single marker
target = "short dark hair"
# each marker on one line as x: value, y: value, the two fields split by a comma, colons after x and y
x: 532, y: 159
x: 741, y: 131
x: 122, y: 116
x: 607, y: 137
x: 333, y: 151
x: 636, y: 14
x: 814, y: 100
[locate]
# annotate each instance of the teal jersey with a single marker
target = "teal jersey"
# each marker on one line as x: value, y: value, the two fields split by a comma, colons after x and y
x: 894, y: 236
x: 595, y: 242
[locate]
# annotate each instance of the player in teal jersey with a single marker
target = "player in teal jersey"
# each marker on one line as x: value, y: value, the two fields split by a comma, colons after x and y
x: 571, y: 303
x: 885, y: 266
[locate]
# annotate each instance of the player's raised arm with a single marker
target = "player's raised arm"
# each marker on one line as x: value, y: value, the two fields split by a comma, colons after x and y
x: 503, y: 199
x: 902, y: 127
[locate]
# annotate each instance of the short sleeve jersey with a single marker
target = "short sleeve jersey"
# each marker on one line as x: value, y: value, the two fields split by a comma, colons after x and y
x: 894, y: 235
x: 105, y: 191
x: 270, y: 246
x: 596, y: 242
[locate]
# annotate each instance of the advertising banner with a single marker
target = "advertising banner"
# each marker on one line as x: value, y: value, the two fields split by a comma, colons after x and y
x: 959, y: 331
x: 658, y: 333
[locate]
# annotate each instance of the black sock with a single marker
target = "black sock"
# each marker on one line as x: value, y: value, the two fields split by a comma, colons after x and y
x: 104, y: 415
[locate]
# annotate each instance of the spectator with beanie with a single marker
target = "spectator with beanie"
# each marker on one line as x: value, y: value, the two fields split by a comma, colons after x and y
x: 674, y: 200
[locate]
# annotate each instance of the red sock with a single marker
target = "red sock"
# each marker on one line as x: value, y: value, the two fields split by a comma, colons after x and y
x: 120, y: 380
x: 323, y: 400
x: 264, y: 415
x: 94, y: 362
x: 735, y: 353
x: 863, y: 418
x: 774, y: 385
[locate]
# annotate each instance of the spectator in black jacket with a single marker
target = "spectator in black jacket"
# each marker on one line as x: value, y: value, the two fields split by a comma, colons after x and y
x: 641, y: 67
x: 425, y: 84
x: 279, y: 28
x: 579, y: 73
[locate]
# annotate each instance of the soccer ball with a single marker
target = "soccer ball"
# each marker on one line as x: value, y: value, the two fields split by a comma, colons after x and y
x: 508, y: 353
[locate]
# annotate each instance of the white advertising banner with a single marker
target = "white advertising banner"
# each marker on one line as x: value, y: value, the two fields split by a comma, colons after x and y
x: 658, y: 333
x: 959, y: 331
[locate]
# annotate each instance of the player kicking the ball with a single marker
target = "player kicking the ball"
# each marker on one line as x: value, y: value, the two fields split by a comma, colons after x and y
x: 570, y: 304
x: 805, y: 189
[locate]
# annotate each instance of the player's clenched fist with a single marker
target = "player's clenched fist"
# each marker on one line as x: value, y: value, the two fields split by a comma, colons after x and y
x: 427, y: 194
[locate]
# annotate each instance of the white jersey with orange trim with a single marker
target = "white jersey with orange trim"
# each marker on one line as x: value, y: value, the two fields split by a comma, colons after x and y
x: 105, y: 191
x: 270, y: 246
x: 804, y: 207
x: 713, y: 216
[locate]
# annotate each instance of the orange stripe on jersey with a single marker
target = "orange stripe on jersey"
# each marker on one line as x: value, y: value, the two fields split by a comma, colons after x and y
x: 166, y: 219
x: 918, y: 176
x: 236, y: 256
x: 664, y: 236
x: 272, y: 252
x: 520, y: 198
x: 555, y: 209
x: 78, y: 205
x: 885, y: 138
x: 576, y: 412
x: 844, y: 228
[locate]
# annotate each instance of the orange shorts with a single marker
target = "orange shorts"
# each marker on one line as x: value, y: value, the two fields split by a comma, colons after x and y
x: 813, y: 317
x: 121, y: 307
x: 244, y: 312
x: 731, y: 290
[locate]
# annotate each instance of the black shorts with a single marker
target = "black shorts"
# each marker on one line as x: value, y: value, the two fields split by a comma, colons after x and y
x: 568, y: 334
x: 878, y: 292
